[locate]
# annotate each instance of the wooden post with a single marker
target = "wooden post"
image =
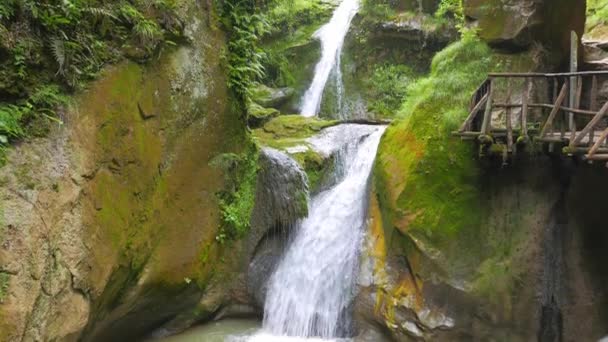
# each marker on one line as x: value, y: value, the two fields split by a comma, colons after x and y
x: 524, y: 112
x: 487, y: 117
x: 555, y: 110
x: 596, y: 119
x: 563, y: 122
x: 573, y: 83
x: 508, y: 119
x: 466, y: 126
x: 597, y: 144
x: 593, y: 105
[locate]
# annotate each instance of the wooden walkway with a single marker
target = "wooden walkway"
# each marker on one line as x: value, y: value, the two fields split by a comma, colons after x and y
x: 562, y: 110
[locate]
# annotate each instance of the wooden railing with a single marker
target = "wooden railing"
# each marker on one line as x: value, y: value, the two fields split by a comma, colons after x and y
x: 513, y: 109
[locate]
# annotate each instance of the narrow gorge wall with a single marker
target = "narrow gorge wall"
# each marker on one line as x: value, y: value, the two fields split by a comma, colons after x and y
x: 461, y: 249
x: 109, y: 225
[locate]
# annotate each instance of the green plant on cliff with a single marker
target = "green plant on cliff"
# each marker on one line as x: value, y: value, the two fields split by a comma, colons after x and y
x: 244, y: 56
x: 597, y: 13
x: 286, y: 16
x: 32, y: 116
x: 49, y: 48
x: 388, y: 84
x: 237, y: 198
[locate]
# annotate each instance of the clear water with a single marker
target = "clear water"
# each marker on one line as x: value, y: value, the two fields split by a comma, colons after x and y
x: 220, y: 331
x: 332, y: 37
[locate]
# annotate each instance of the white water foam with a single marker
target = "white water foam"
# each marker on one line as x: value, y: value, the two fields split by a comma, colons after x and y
x: 310, y: 293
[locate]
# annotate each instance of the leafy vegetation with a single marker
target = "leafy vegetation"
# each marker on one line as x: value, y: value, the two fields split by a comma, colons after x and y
x: 285, y: 17
x: 49, y: 48
x: 597, y: 14
x: 237, y: 199
x: 388, y: 84
x: 383, y: 10
x: 244, y: 57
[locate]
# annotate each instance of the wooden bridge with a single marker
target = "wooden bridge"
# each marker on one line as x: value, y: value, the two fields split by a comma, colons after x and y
x: 560, y: 110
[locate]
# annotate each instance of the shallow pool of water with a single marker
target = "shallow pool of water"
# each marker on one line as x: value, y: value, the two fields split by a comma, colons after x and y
x: 220, y: 331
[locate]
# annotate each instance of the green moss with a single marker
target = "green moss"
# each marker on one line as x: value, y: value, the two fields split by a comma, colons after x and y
x: 4, y: 283
x: 257, y: 115
x: 289, y: 130
x: 438, y: 190
x: 597, y: 18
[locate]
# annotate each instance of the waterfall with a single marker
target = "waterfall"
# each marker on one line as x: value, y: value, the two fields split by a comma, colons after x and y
x: 332, y: 37
x: 310, y: 293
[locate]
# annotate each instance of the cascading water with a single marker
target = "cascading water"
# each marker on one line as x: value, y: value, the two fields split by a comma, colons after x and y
x: 332, y: 37
x: 310, y: 293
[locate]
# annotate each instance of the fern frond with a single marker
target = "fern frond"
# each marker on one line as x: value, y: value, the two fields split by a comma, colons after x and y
x: 58, y: 50
x: 101, y: 12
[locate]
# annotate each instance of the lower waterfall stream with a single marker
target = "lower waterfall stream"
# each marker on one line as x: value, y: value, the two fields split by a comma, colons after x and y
x: 310, y: 293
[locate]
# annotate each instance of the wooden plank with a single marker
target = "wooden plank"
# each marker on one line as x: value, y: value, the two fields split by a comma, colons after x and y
x: 547, y: 75
x: 473, y: 114
x: 550, y: 140
x: 560, y: 98
x: 466, y: 134
x: 585, y: 150
x: 562, y: 120
x: 593, y: 105
x: 597, y: 144
x: 598, y: 157
x: 487, y: 117
x: 549, y: 106
x: 589, y: 126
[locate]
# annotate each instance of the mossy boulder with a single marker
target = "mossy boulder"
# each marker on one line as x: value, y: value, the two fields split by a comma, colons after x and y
x: 258, y: 115
x: 290, y: 133
x: 271, y: 97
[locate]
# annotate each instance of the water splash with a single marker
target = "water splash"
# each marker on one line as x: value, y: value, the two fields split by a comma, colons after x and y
x: 312, y: 289
x: 332, y: 37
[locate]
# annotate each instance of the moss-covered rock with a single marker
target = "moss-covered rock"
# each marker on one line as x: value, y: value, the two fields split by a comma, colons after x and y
x: 258, y: 115
x: 271, y: 97
x: 125, y: 237
x: 431, y: 189
x: 290, y: 133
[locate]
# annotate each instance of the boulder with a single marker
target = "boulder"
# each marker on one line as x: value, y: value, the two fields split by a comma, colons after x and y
x: 516, y: 24
x: 271, y: 97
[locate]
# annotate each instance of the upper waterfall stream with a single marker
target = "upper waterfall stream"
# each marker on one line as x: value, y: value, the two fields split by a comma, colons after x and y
x: 332, y: 37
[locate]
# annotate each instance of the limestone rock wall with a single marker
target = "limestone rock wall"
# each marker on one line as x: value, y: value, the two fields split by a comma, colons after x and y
x: 108, y: 226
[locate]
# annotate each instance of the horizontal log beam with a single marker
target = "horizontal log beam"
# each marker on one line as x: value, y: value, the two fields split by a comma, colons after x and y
x: 371, y: 122
x: 546, y: 75
x: 597, y: 157
x: 548, y: 106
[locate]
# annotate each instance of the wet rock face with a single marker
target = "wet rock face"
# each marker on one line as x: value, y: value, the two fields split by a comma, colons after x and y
x: 281, y: 200
x: 516, y: 24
